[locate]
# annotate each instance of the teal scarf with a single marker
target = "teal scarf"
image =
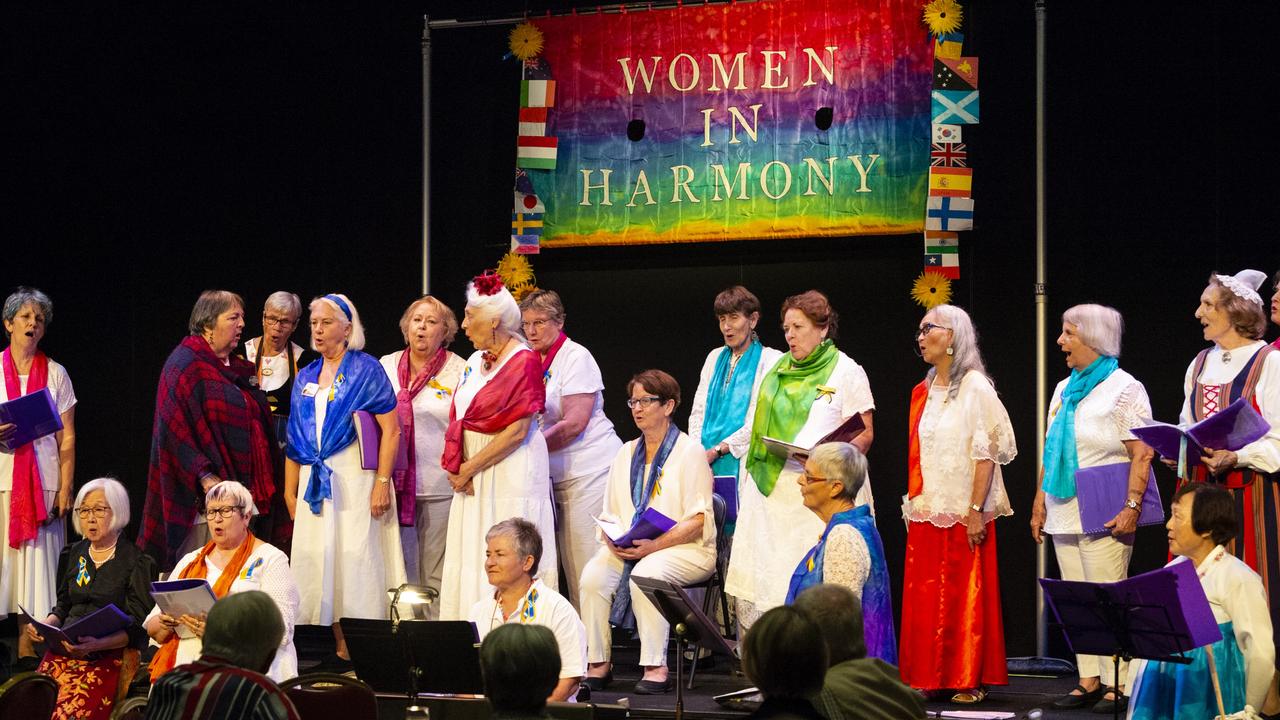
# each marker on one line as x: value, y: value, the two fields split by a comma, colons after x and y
x: 727, y: 402
x: 1060, y: 460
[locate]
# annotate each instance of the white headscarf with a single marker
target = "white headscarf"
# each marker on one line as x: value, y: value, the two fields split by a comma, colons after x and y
x: 1244, y: 284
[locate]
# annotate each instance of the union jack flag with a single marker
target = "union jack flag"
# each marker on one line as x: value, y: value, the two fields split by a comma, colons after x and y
x: 948, y: 155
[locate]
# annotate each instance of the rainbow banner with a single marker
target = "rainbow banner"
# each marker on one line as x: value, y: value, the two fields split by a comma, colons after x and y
x: 732, y: 97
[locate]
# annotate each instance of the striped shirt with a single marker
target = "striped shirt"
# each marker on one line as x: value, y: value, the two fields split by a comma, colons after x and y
x: 213, y: 689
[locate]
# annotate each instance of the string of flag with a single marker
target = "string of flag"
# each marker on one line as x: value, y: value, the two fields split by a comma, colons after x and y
x: 535, y: 149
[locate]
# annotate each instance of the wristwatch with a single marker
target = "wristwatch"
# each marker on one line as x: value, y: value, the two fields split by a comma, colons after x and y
x: 976, y: 508
x: 722, y: 450
x: 383, y: 479
x: 1132, y: 504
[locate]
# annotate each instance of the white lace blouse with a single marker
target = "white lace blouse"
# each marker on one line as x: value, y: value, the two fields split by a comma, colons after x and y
x: 845, y: 559
x: 955, y: 433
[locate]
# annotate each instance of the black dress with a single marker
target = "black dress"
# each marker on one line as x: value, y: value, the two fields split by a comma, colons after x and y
x: 124, y: 580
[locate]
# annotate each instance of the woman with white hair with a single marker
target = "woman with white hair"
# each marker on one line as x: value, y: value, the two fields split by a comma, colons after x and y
x: 960, y: 435
x: 96, y: 572
x: 1091, y: 416
x: 35, y: 479
x: 233, y: 561
x: 424, y: 375
x: 494, y: 453
x: 346, y: 541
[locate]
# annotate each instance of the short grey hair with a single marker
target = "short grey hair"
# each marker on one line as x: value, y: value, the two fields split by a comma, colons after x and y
x: 1099, y: 326
x: 211, y: 304
x: 524, y: 535
x: 356, y: 341
x: 964, y: 347
x: 24, y: 296
x: 284, y: 301
x: 842, y: 462
x: 545, y: 301
x: 117, y: 499
x: 836, y: 610
x: 244, y: 628
x: 235, y: 493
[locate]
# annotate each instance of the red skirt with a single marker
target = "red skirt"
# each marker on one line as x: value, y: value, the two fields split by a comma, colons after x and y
x: 952, y: 629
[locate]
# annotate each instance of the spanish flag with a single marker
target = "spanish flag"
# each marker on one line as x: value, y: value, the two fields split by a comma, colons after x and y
x: 950, y: 181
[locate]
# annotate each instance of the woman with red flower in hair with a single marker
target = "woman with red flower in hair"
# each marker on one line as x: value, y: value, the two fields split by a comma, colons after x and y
x: 493, y: 451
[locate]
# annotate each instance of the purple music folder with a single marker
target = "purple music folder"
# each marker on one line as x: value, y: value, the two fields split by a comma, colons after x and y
x: 726, y: 486
x: 1101, y: 491
x: 1231, y: 429
x: 99, y: 623
x: 35, y: 416
x: 650, y: 525
x: 369, y: 435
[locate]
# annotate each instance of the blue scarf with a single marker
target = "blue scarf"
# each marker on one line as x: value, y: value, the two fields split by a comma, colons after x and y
x: 727, y: 405
x: 642, y: 491
x: 360, y: 384
x: 1060, y: 460
x: 877, y: 598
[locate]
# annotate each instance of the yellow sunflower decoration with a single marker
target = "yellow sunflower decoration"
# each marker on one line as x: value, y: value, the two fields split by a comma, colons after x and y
x: 930, y: 290
x: 517, y: 274
x: 943, y: 16
x: 525, y: 41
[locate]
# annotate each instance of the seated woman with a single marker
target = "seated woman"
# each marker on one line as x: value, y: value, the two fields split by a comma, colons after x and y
x: 512, y: 555
x: 96, y: 572
x: 1202, y: 522
x: 666, y: 470
x: 850, y: 552
x: 233, y: 561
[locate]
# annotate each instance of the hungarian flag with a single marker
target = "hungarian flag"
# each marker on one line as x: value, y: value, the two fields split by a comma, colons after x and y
x: 945, y: 264
x: 536, y: 152
x: 955, y: 73
x: 533, y: 121
x: 950, y: 182
x: 948, y: 154
x: 537, y: 93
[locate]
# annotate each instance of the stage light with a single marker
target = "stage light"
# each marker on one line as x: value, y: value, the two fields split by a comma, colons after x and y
x: 410, y: 602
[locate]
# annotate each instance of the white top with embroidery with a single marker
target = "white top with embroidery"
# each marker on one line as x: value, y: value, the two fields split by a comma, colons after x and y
x: 575, y: 372
x: 845, y: 559
x: 540, y: 606
x: 1104, y: 420
x: 1262, y: 454
x: 47, y: 459
x: 430, y: 418
x: 955, y: 433
x: 275, y: 370
x: 740, y: 440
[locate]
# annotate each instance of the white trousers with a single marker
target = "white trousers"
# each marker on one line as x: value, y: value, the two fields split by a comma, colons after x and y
x: 1096, y: 559
x: 683, y: 565
x: 423, y: 545
x: 578, y: 501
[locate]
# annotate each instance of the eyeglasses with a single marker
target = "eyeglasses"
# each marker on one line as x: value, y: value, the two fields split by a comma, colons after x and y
x: 536, y: 324
x: 222, y: 512
x: 98, y: 511
x: 811, y: 479
x: 273, y: 320
x: 645, y: 401
x: 927, y: 328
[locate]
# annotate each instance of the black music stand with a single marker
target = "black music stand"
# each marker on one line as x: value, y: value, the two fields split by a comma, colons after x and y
x: 691, y: 626
x: 1154, y: 616
x: 415, y: 656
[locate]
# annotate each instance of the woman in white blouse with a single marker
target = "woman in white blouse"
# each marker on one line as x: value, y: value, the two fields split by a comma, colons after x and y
x: 1090, y: 418
x: 952, y: 628
x: 424, y: 375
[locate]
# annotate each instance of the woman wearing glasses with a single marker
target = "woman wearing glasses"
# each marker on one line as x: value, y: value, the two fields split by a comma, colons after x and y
x: 233, y: 561
x: 960, y: 435
x: 581, y: 443
x: 95, y: 672
x: 663, y: 470
x: 809, y: 392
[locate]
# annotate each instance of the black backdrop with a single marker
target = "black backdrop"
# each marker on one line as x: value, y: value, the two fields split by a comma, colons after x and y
x: 150, y: 153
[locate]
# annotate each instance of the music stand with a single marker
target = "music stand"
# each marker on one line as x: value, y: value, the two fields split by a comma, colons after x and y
x: 415, y: 656
x: 1154, y: 616
x: 691, y: 626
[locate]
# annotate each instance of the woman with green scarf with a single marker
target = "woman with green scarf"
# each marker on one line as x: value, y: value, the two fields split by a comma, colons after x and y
x: 810, y: 391
x: 1091, y: 414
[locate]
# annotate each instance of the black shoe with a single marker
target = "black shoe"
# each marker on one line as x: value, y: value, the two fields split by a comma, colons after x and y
x: 334, y: 663
x: 1109, y: 707
x: 597, y: 684
x: 1089, y: 697
x: 26, y: 663
x: 653, y: 687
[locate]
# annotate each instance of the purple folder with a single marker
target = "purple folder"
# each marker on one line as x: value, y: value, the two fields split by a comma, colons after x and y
x: 1102, y: 490
x: 1231, y: 429
x: 1166, y: 610
x: 650, y: 525
x: 369, y: 435
x: 35, y: 414
x: 99, y: 623
x: 726, y: 486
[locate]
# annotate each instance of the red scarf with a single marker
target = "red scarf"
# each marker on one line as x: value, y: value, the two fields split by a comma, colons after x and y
x: 551, y: 356
x: 26, y: 500
x: 515, y: 392
x: 915, y: 479
x: 410, y: 386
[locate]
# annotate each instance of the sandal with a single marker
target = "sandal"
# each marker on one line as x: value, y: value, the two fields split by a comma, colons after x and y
x: 970, y: 697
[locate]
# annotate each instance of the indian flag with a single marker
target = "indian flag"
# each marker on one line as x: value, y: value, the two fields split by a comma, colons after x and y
x: 536, y: 152
x: 941, y: 243
x: 537, y: 93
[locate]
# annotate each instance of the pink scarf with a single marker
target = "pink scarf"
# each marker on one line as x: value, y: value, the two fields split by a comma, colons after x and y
x: 551, y: 356
x: 26, y: 501
x: 406, y: 480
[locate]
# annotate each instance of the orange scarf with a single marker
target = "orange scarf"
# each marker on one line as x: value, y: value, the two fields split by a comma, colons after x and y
x: 166, y: 656
x: 915, y: 479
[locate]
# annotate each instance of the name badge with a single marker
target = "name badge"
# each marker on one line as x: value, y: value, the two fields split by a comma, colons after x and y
x: 310, y: 389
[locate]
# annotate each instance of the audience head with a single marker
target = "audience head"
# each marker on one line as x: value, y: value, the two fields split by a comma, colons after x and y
x: 513, y: 551
x: 245, y: 629
x: 1232, y: 303
x: 428, y: 324
x: 1201, y: 516
x: 1097, y: 326
x: 335, y: 322
x: 807, y: 320
x: 101, y: 508
x: 838, y: 612
x: 784, y: 654
x: 20, y: 301
x: 521, y: 666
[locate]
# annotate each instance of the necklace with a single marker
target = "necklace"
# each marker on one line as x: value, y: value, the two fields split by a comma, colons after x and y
x: 98, y: 556
x: 1226, y: 356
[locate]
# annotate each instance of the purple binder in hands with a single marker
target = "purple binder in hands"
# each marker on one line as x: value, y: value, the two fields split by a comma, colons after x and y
x: 1101, y: 491
x: 1231, y: 429
x: 35, y: 416
x: 369, y: 436
x: 99, y: 623
x: 650, y: 525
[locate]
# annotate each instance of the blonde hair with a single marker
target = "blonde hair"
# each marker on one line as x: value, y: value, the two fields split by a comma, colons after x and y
x: 450, y: 320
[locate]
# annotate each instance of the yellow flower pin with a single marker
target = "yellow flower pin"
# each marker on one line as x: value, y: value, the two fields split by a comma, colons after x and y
x: 943, y: 16
x: 525, y: 41
x: 826, y: 391
x: 931, y: 289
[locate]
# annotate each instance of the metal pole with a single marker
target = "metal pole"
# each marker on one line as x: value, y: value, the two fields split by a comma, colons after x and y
x: 426, y: 154
x: 1042, y: 305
